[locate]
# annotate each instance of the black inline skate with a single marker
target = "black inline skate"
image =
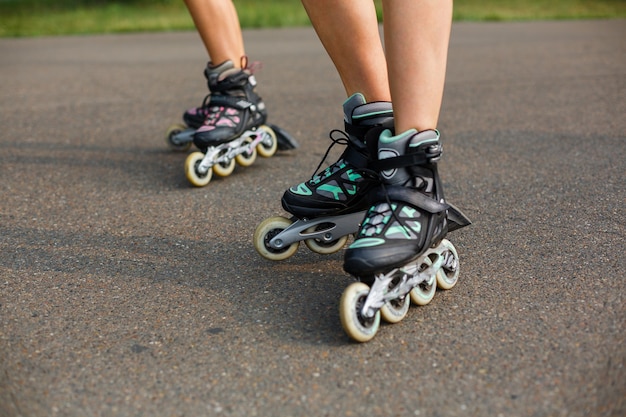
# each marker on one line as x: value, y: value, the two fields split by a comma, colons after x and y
x: 400, y: 252
x: 179, y: 137
x: 329, y: 206
x: 234, y: 129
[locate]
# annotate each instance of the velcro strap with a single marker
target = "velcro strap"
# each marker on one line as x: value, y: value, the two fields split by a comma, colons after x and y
x: 409, y: 196
x: 230, y: 101
x: 401, y: 161
x: 354, y: 130
x: 356, y: 158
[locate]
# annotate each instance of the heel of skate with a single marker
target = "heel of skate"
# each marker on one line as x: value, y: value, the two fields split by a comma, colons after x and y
x: 286, y: 142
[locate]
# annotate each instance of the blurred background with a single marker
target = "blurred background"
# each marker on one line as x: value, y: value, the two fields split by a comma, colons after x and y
x: 26, y: 18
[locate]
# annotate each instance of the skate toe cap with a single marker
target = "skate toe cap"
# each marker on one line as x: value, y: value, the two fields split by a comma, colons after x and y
x: 309, y: 206
x: 370, y: 260
x: 205, y: 137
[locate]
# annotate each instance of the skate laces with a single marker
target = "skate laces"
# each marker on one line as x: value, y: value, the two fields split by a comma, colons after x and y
x: 377, y: 217
x: 344, y: 139
x: 383, y: 213
x: 204, y: 108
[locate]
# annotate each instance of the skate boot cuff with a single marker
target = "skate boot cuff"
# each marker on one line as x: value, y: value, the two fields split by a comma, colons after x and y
x: 212, y: 72
x: 362, y: 130
x: 234, y: 81
x: 404, y: 161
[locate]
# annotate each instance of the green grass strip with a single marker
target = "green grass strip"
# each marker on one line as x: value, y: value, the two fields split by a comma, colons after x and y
x: 19, y: 18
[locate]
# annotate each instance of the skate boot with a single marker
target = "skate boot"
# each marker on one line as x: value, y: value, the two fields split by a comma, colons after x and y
x: 233, y: 106
x: 330, y: 205
x: 400, y: 248
x: 234, y: 129
x: 179, y: 137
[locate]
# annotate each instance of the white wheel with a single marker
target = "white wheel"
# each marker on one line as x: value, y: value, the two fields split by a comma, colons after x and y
x: 395, y: 310
x: 191, y: 171
x: 224, y: 169
x: 247, y: 158
x: 174, y: 130
x: 357, y: 327
x: 265, y: 148
x: 448, y: 275
x: 265, y: 231
x: 424, y: 292
x: 321, y: 246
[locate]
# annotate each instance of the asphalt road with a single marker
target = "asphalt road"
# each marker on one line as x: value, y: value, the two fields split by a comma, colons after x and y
x: 127, y: 292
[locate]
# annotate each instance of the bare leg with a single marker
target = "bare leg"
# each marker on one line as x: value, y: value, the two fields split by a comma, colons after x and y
x: 348, y: 29
x: 417, y: 34
x: 218, y: 25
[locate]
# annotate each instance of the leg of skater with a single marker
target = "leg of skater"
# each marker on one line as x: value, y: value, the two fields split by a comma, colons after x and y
x: 217, y: 24
x: 348, y: 29
x: 417, y: 34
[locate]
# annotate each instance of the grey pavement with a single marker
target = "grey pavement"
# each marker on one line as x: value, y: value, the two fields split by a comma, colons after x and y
x: 124, y: 291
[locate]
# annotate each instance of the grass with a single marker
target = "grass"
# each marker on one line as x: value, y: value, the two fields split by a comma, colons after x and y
x: 19, y: 18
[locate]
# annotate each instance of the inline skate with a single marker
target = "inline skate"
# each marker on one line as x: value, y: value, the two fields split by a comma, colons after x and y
x: 179, y: 136
x: 234, y: 128
x: 328, y: 207
x: 400, y: 252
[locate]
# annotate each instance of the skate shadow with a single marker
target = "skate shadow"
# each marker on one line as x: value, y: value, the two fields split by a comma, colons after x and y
x: 295, y: 300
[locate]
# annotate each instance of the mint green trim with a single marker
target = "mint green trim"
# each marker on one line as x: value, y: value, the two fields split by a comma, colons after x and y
x: 353, y: 176
x: 355, y: 94
x: 387, y: 137
x: 301, y: 189
x: 397, y: 230
x: 374, y: 113
x: 366, y: 242
x: 351, y: 189
x: 435, y: 140
x: 408, y: 212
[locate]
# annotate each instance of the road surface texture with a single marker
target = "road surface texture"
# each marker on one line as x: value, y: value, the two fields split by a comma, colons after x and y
x: 127, y: 292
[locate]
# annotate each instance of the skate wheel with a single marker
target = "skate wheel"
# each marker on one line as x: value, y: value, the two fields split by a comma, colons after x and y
x: 448, y: 275
x: 246, y: 159
x: 172, y: 131
x: 395, y: 310
x: 269, y: 144
x: 191, y: 170
x: 225, y: 168
x: 265, y: 232
x: 358, y: 328
x: 424, y: 292
x: 320, y: 245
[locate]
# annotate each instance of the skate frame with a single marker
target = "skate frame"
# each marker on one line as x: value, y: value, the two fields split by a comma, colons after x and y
x: 226, y: 152
x: 285, y: 140
x: 334, y: 227
x: 411, y: 276
x: 183, y: 137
